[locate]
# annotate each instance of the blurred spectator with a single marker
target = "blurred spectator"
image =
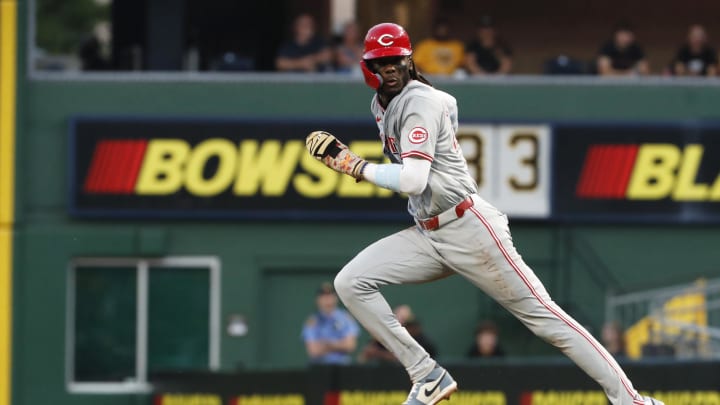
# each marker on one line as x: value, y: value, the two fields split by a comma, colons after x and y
x: 486, y: 342
x: 91, y: 57
x: 653, y: 349
x: 622, y: 55
x: 348, y: 53
x: 613, y: 339
x: 404, y: 313
x: 305, y: 52
x: 655, y: 346
x: 94, y: 50
x: 564, y: 65
x: 439, y: 54
x: 696, y: 57
x: 233, y: 62
x: 375, y: 352
x: 330, y: 334
x: 487, y: 53
x: 414, y: 328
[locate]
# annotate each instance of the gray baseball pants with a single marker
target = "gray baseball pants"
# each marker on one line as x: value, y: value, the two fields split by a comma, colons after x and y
x: 479, y: 247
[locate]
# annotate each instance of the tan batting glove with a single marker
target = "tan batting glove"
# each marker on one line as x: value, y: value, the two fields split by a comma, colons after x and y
x: 324, y: 147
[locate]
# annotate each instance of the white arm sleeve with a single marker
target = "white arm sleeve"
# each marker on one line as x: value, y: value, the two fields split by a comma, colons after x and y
x: 411, y: 177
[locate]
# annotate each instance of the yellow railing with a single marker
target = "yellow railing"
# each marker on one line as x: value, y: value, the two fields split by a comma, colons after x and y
x: 8, y: 30
x: 683, y: 309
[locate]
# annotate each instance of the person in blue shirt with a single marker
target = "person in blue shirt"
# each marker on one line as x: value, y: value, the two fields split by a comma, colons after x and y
x: 330, y: 334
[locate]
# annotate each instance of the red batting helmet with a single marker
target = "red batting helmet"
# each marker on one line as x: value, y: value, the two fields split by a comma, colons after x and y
x: 386, y: 39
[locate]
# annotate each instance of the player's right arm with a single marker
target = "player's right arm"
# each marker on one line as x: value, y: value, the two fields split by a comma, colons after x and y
x: 417, y: 135
x: 410, y: 177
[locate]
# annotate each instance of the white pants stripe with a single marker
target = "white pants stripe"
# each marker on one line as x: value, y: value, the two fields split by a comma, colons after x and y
x: 557, y: 311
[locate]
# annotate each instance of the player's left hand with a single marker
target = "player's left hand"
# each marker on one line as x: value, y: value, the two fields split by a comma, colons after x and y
x: 324, y: 147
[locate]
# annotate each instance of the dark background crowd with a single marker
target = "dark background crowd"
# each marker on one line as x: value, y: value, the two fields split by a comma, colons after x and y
x: 488, y: 53
x: 455, y: 38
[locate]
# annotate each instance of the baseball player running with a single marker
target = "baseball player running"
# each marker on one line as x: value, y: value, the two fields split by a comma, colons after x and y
x: 457, y: 231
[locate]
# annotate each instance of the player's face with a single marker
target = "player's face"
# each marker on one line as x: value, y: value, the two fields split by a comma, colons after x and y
x: 394, y: 72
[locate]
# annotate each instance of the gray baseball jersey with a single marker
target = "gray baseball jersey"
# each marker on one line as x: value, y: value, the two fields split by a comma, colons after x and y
x: 421, y: 123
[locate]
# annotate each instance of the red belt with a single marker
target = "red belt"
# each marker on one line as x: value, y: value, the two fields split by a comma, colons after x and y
x: 447, y: 216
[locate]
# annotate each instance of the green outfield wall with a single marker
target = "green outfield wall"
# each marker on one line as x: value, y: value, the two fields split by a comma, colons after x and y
x: 263, y: 263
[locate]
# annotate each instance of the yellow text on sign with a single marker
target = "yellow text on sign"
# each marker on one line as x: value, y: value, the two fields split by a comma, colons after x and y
x: 267, y: 168
x: 667, y: 170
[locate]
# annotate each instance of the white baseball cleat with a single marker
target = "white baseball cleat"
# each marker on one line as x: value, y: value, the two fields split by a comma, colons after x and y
x: 438, y: 385
x: 653, y: 401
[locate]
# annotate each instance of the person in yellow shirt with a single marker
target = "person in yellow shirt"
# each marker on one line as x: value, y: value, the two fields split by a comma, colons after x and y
x: 440, y: 54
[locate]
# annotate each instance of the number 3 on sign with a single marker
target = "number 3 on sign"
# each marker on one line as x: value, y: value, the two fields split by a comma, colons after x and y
x: 530, y: 161
x: 511, y: 166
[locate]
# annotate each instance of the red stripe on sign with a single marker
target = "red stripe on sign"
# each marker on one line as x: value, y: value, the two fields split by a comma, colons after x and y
x: 606, y: 172
x: 586, y: 174
x: 625, y: 154
x: 612, y: 171
x: 631, y: 152
x: 94, y: 176
x: 89, y: 184
x: 123, y: 165
x: 136, y: 159
x: 595, y: 185
x: 115, y: 167
x: 105, y: 167
x: 602, y: 169
x: 115, y: 180
x: 332, y: 398
x: 589, y: 174
x: 619, y: 166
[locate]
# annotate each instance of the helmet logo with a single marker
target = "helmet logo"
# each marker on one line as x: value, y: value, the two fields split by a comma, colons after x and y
x: 382, y: 41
